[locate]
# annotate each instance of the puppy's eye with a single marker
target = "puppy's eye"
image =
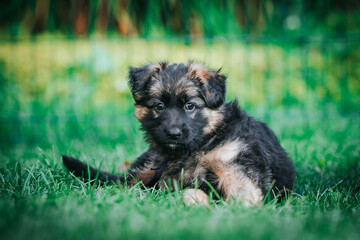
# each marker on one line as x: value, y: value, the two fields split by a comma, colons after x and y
x: 159, y: 107
x: 189, y: 107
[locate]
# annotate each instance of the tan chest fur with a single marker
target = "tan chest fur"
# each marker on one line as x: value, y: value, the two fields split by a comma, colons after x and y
x: 231, y: 179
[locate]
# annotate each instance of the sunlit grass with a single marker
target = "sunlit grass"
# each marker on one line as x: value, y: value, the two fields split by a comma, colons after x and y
x: 51, y: 75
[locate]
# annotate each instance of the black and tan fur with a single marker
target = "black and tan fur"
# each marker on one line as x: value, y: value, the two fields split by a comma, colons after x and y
x: 196, y: 138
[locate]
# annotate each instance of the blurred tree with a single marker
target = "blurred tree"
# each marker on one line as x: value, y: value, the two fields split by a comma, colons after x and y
x: 178, y: 17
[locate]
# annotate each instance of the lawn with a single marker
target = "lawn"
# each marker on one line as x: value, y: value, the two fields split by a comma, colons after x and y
x: 66, y: 110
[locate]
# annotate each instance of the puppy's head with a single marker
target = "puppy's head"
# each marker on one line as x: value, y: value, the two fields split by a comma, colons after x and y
x: 179, y: 106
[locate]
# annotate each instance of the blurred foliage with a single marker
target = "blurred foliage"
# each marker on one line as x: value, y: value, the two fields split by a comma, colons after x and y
x: 179, y: 17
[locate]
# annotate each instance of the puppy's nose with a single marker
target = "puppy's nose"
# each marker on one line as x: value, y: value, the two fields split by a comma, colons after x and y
x: 173, y: 133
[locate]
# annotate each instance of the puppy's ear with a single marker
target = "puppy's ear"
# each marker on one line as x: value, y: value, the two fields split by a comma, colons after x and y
x: 139, y: 77
x: 211, y: 82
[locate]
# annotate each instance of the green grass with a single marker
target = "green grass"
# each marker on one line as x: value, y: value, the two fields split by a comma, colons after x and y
x: 40, y: 200
x: 61, y: 96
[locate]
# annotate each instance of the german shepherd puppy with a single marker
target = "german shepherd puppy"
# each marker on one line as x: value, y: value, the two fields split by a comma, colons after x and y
x: 197, y: 140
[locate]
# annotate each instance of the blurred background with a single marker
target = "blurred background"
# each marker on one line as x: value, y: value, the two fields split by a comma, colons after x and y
x: 63, y: 64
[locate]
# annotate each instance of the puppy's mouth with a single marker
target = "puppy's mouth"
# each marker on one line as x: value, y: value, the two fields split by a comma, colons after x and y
x: 174, y: 146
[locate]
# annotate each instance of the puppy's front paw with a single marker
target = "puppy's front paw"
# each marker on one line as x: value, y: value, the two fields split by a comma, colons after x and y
x: 195, y: 197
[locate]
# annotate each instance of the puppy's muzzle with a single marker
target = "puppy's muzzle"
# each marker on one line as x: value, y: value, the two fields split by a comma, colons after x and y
x: 173, y: 133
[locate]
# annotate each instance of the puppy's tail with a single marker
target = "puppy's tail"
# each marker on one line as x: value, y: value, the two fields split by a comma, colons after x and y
x: 80, y: 169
